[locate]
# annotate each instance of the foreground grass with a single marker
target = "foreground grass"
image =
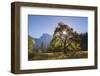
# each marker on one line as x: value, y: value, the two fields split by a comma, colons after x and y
x: 58, y: 55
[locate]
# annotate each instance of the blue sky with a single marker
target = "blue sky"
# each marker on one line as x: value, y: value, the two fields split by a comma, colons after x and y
x: 39, y: 24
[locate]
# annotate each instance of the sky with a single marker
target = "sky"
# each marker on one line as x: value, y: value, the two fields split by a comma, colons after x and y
x: 40, y: 24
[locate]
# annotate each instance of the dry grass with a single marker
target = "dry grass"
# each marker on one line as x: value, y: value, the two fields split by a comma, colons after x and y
x: 58, y: 55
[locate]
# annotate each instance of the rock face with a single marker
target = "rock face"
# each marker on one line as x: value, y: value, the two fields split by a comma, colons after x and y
x: 44, y: 40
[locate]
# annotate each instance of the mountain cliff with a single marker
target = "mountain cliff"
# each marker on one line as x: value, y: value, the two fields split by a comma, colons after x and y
x: 43, y: 40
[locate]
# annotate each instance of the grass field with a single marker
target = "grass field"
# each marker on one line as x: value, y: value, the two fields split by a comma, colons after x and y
x: 58, y: 55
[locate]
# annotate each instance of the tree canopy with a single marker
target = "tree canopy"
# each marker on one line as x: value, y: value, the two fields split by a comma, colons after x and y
x: 65, y: 39
x: 30, y: 44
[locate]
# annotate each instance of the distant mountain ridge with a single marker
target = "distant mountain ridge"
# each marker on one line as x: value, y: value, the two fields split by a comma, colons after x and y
x: 44, y: 39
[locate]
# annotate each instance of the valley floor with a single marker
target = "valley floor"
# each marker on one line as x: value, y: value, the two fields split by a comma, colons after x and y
x: 58, y: 55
